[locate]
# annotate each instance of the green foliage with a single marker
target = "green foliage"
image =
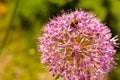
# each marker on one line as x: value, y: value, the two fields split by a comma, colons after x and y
x: 95, y: 6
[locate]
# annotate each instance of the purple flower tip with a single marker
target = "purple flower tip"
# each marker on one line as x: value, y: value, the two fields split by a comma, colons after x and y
x: 76, y: 46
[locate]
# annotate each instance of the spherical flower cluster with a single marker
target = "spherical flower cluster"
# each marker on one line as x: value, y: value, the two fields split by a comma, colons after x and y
x: 76, y: 46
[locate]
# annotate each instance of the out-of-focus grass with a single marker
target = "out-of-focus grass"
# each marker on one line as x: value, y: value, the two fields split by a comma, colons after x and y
x: 19, y: 59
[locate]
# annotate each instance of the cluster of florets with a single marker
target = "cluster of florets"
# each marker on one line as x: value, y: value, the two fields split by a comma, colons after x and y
x: 76, y: 46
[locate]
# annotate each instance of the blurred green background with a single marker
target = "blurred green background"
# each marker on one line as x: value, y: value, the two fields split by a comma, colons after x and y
x: 21, y: 22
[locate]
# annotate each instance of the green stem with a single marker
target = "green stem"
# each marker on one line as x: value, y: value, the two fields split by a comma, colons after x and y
x: 9, y: 26
x: 57, y: 77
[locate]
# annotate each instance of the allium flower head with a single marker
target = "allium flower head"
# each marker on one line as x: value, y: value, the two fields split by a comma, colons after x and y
x: 76, y: 46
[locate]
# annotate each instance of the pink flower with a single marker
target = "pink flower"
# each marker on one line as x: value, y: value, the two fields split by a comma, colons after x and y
x: 76, y: 46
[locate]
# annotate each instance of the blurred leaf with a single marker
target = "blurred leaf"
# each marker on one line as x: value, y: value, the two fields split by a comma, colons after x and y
x: 96, y: 6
